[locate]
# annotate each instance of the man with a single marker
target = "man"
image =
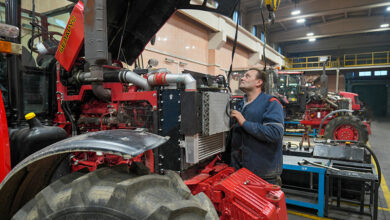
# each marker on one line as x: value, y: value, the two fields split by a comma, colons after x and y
x: 258, y: 134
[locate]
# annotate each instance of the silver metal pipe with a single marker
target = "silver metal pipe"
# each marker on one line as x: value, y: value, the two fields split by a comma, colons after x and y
x: 128, y: 76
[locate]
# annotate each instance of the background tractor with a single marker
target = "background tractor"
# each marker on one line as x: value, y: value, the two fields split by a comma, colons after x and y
x: 337, y: 116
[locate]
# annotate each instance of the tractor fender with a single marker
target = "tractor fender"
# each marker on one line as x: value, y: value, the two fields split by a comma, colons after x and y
x: 34, y: 173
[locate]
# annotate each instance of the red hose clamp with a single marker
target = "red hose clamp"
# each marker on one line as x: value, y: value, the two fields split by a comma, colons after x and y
x: 160, y: 78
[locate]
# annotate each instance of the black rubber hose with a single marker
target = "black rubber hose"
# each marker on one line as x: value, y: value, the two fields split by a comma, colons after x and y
x: 67, y: 111
x: 327, y: 116
x: 378, y: 167
x: 111, y: 76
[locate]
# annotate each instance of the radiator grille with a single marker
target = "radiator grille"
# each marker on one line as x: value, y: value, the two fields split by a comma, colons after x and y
x: 200, y: 147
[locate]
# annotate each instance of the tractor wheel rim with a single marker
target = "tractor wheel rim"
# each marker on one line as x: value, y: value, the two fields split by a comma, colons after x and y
x: 346, y: 132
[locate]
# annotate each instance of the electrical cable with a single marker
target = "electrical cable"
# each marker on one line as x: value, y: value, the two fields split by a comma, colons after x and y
x: 65, y: 107
x: 234, y: 46
x: 142, y: 61
x: 265, y: 34
x: 124, y: 29
x: 32, y: 21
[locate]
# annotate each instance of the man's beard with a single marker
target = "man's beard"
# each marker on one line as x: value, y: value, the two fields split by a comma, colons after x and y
x: 242, y: 88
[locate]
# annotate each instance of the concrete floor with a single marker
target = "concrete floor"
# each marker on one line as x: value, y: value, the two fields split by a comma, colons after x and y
x: 380, y: 142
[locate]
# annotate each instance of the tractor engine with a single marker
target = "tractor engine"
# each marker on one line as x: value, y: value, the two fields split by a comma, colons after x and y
x: 195, y: 118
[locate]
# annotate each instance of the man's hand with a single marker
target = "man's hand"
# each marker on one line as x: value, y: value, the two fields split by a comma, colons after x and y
x: 236, y: 114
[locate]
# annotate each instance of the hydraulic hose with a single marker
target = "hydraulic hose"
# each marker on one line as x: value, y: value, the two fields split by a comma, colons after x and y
x: 326, y: 117
x: 378, y: 167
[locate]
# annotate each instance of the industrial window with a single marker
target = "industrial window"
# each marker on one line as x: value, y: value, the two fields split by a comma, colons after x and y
x: 380, y: 73
x: 254, y: 30
x: 365, y: 73
x: 262, y: 36
x: 236, y: 17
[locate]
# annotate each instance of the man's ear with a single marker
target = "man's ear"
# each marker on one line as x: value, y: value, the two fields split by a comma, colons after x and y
x: 259, y: 83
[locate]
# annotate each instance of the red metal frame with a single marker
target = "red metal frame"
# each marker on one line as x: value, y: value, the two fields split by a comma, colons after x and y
x: 290, y: 73
x: 5, y: 156
x: 91, y: 160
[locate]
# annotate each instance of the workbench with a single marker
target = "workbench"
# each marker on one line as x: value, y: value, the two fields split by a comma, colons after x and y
x: 318, y: 201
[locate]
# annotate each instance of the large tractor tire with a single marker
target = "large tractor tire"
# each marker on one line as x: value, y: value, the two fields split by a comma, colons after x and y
x: 110, y: 193
x: 346, y: 128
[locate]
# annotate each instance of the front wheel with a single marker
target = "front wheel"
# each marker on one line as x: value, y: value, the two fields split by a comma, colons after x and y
x: 111, y: 193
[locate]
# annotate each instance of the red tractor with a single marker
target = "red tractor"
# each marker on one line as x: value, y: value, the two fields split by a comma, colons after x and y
x: 339, y: 116
x: 335, y: 117
x: 120, y: 144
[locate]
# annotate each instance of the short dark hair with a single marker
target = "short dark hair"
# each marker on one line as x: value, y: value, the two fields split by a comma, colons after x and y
x: 260, y: 75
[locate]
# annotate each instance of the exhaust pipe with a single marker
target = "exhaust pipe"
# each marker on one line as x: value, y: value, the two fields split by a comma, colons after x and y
x: 96, y: 49
x: 324, y: 81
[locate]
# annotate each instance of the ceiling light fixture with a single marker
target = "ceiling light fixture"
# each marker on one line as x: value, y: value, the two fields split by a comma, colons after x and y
x: 296, y: 12
x: 384, y: 25
x: 302, y: 20
x: 312, y: 39
x: 388, y: 8
x: 310, y: 34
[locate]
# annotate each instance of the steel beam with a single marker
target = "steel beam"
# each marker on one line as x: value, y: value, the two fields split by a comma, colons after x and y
x: 360, y: 41
x: 331, y: 29
x: 319, y: 8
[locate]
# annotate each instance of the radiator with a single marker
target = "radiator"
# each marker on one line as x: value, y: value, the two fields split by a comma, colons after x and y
x: 215, y: 119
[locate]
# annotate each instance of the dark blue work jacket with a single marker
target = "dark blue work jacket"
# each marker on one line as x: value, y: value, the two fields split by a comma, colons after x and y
x: 259, y: 140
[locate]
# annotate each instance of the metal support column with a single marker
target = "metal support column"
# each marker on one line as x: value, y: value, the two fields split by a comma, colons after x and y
x: 14, y: 62
x: 337, y: 78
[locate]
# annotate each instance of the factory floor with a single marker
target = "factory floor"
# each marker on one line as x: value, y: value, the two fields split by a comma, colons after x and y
x: 380, y: 143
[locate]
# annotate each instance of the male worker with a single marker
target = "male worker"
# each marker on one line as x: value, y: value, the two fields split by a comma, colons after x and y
x: 258, y: 134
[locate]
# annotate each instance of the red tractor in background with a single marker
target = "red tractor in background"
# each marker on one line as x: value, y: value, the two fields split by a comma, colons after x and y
x: 114, y: 143
x: 339, y: 116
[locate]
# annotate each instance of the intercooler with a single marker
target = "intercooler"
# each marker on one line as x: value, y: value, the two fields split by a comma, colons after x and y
x: 199, y: 147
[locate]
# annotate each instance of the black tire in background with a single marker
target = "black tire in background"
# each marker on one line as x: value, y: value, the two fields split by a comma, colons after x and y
x: 112, y: 193
x: 347, y: 120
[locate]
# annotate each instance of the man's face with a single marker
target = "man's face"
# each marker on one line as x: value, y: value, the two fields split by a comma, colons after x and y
x: 249, y: 82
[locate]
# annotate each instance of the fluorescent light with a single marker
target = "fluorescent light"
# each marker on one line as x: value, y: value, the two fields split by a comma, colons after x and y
x: 295, y: 12
x: 302, y: 20
x: 309, y: 34
x: 312, y: 39
x: 384, y: 25
x: 388, y: 8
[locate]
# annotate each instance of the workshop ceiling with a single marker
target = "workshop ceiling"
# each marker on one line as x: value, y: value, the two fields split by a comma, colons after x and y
x: 337, y: 25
